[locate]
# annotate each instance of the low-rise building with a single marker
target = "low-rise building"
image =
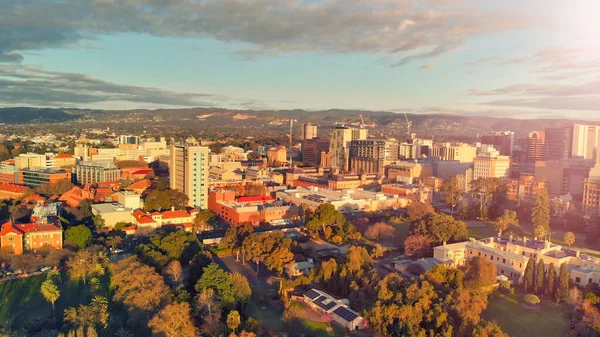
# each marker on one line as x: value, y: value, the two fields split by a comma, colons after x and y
x: 254, y: 210
x: 36, y: 177
x: 417, y: 193
x: 112, y: 213
x: 302, y: 268
x: 524, y: 188
x: 338, y: 309
x: 180, y: 219
x: 349, y: 200
x: 12, y: 191
x: 30, y: 236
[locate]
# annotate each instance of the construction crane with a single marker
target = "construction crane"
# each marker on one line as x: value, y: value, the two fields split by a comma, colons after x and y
x: 408, y: 125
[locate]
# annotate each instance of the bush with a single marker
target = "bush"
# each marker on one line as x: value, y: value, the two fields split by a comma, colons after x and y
x: 532, y: 299
x: 337, y: 239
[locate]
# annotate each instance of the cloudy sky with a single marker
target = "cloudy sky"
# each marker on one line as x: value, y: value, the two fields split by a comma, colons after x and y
x: 516, y: 58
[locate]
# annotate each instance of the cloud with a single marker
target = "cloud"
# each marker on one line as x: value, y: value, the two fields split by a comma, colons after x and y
x: 427, y: 66
x: 10, y: 57
x: 586, y: 103
x: 483, y: 60
x: 401, y: 27
x: 38, y: 87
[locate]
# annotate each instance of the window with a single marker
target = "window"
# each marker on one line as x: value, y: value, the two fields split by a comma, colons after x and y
x: 491, y: 258
x: 578, y: 280
x: 590, y: 280
x: 503, y: 260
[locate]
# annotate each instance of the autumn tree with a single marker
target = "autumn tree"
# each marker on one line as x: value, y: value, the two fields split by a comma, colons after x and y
x: 540, y: 214
x: 380, y: 231
x: 529, y: 277
x: 233, y: 320
x: 173, y: 273
x: 480, y: 273
x: 92, y: 315
x: 569, y: 238
x: 417, y: 210
x: 418, y: 246
x: 489, y: 329
x: 50, y: 292
x: 452, y: 193
x: 356, y: 259
x: 440, y: 228
x: 507, y: 221
x: 173, y: 321
x: 562, y: 288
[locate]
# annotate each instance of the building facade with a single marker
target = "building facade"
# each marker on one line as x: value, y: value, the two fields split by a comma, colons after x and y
x: 94, y: 172
x: 461, y: 152
x: 309, y: 131
x: 189, y: 169
x: 490, y: 164
x: 536, y: 145
x: 585, y: 140
x: 559, y: 143
x: 503, y: 141
x: 312, y: 149
x: 339, y: 148
x: 372, y: 155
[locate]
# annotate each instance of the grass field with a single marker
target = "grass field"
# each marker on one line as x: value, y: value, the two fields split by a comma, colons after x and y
x: 401, y: 232
x: 548, y: 321
x: 316, y: 328
x: 23, y: 306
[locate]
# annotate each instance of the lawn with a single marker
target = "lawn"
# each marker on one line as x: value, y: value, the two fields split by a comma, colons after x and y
x: 316, y: 328
x: 23, y: 306
x: 401, y: 232
x: 480, y: 229
x: 548, y: 321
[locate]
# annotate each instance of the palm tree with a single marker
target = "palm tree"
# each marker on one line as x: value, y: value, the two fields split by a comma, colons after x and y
x: 50, y: 292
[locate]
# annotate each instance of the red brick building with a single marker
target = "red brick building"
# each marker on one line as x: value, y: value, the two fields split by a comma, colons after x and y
x: 30, y: 236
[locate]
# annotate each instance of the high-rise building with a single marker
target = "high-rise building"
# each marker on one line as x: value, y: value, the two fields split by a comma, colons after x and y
x: 189, y: 173
x: 92, y: 172
x: 129, y: 139
x: 277, y: 155
x: 490, y: 164
x: 503, y: 141
x: 415, y: 148
x: 312, y: 148
x: 372, y: 155
x: 559, y: 143
x: 591, y: 187
x: 585, y: 140
x: 463, y: 153
x: 536, y: 142
x: 339, y: 147
x: 31, y: 161
x: 309, y: 131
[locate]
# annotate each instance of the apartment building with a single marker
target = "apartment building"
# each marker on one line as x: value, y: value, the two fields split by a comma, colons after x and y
x: 490, y: 164
x: 189, y: 173
x: 339, y: 148
x: 372, y: 155
x: 19, y: 238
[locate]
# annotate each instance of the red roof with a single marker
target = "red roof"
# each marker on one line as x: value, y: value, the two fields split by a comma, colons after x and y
x: 258, y: 198
x: 175, y: 214
x: 12, y: 188
x: 64, y: 156
x: 34, y: 197
x: 9, y: 228
x: 141, y: 217
x: 143, y: 171
x: 140, y: 185
x: 29, y: 227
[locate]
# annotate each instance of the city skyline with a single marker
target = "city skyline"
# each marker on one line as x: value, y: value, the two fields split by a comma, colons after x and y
x: 534, y: 60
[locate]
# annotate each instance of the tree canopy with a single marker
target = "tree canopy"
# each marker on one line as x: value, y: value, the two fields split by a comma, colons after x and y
x: 80, y: 235
x: 440, y: 228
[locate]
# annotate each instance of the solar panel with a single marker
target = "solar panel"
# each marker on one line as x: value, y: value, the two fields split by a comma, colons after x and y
x: 326, y: 306
x: 346, y: 314
x: 319, y: 299
x: 311, y: 294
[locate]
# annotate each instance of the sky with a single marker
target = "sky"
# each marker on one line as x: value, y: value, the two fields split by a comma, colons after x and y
x: 510, y: 58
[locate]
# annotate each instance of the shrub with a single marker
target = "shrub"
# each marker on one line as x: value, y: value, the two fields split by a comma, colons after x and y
x: 532, y: 299
x: 336, y: 239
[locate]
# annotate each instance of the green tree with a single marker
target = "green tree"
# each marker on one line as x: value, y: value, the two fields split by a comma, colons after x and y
x: 540, y: 214
x: 203, y: 221
x: 480, y: 273
x: 235, y: 236
x: 99, y: 222
x: 216, y: 278
x: 539, y: 278
x: 569, y: 238
x: 440, y: 228
x: 507, y: 221
x: 85, y: 209
x: 50, y: 292
x: 562, y: 288
x: 86, y: 264
x: 241, y: 287
x: 452, y: 193
x: 327, y: 220
x: 80, y: 235
x: 483, y: 190
x: 529, y: 277
x: 550, y: 284
x: 233, y: 320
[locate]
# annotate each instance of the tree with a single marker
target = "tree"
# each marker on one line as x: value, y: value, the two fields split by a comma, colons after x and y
x: 206, y: 303
x: 85, y: 264
x: 235, y: 236
x: 203, y: 220
x: 85, y: 209
x: 417, y: 210
x: 196, y: 268
x: 80, y: 235
x: 418, y: 246
x: 233, y: 320
x: 216, y: 278
x: 489, y: 329
x: 452, y: 193
x: 569, y: 238
x: 506, y: 221
x: 241, y: 287
x: 253, y: 249
x: 113, y: 242
x: 440, y: 228
x: 329, y: 221
x: 173, y: 321
x: 96, y: 313
x: 483, y: 189
x: 99, y: 222
x: 50, y: 292
x: 540, y: 214
x: 562, y: 288
x: 528, y: 278
x: 550, y: 284
x: 539, y: 278
x: 157, y: 200
x: 480, y: 273
x: 356, y: 259
x: 380, y: 231
x: 173, y: 273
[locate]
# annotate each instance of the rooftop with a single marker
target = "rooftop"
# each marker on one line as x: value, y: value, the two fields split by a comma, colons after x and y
x: 110, y: 208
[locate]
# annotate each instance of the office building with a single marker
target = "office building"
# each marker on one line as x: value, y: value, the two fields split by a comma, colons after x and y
x: 254, y: 210
x: 309, y: 131
x: 30, y: 161
x: 591, y: 188
x: 415, y: 148
x: 129, y: 139
x: 339, y: 148
x: 408, y: 172
x: 461, y: 152
x: 36, y: 177
x: 490, y: 164
x: 93, y: 172
x: 189, y: 173
x: 372, y: 155
x: 536, y: 142
x: 312, y: 149
x: 277, y: 155
x: 585, y: 141
x: 347, y: 200
x: 503, y: 141
x: 524, y: 188
x: 559, y: 143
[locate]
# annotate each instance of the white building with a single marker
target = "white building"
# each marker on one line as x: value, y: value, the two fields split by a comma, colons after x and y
x: 490, y: 164
x: 339, y: 310
x: 349, y: 200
